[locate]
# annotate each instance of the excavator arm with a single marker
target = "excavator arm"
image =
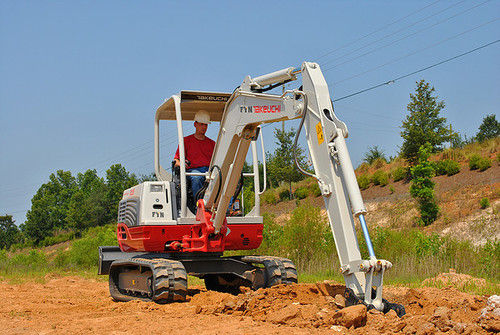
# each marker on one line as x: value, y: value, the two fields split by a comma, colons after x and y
x: 247, y: 108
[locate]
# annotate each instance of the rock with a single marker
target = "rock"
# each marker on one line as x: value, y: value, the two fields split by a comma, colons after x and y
x: 426, y: 328
x: 459, y: 327
x: 410, y: 330
x: 392, y: 314
x: 309, y: 312
x: 241, y: 305
x: 197, y: 309
x: 490, y: 323
x: 229, y: 305
x: 490, y: 315
x: 352, y: 316
x: 341, y: 329
x: 471, y: 329
x: 375, y: 311
x: 492, y: 306
x: 245, y: 289
x: 441, y: 319
x: 398, y: 327
x: 339, y: 301
x: 285, y: 314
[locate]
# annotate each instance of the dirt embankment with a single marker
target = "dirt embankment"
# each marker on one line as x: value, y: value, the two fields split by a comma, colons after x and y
x: 64, y: 305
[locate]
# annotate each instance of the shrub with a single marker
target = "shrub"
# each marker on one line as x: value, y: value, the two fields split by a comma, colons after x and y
x: 301, y: 193
x: 484, y: 164
x: 314, y: 189
x: 380, y: 178
x: 284, y: 194
x: 428, y: 245
x: 446, y: 167
x: 485, y: 203
x: 84, y: 252
x: 24, y: 263
x: 422, y: 187
x: 378, y: 163
x: 452, y: 167
x: 400, y: 173
x: 363, y: 168
x: 474, y: 161
x: 498, y: 158
x: 51, y: 240
x: 391, y: 189
x: 306, y: 236
x: 363, y: 181
x: 269, y: 197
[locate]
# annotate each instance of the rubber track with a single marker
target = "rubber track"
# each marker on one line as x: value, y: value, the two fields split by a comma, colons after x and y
x: 169, y: 280
x: 278, y: 270
x: 290, y: 275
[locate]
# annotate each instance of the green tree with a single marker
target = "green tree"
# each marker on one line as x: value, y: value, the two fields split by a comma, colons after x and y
x: 88, y: 206
x: 422, y: 187
x: 9, y: 233
x: 423, y: 124
x: 373, y: 154
x: 117, y: 181
x: 490, y: 128
x: 49, y: 206
x: 281, y: 164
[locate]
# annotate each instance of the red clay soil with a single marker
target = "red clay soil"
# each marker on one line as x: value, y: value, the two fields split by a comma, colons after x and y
x: 75, y: 305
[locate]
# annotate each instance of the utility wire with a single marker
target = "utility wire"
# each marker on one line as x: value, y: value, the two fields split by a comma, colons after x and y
x: 376, y: 31
x: 416, y: 51
x: 402, y: 38
x: 417, y: 71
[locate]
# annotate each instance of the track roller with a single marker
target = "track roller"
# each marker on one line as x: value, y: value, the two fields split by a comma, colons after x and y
x: 159, y: 280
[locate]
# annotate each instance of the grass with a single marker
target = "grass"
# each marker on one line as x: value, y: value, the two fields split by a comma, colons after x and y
x: 306, y: 239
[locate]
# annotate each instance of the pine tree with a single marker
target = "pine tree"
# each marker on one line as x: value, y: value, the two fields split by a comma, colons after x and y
x: 490, y: 128
x: 423, y: 124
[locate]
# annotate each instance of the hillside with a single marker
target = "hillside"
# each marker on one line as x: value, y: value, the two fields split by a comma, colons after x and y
x: 461, y: 215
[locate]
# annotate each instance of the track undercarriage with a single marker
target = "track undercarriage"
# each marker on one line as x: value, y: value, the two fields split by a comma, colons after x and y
x: 162, y: 279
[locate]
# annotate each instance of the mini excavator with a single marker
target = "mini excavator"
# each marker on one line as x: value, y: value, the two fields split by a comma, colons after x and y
x: 165, y: 233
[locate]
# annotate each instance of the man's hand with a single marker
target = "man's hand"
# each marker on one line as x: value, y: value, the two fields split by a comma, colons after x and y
x: 178, y: 163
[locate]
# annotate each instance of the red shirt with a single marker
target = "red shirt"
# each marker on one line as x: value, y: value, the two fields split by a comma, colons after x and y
x: 198, y: 152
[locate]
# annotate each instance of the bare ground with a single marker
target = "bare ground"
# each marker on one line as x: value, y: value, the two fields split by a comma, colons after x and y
x: 63, y: 305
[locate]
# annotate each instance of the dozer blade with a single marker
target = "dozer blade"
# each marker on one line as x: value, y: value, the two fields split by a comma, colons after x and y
x: 159, y: 280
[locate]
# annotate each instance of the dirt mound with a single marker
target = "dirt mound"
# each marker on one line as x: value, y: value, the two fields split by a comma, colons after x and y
x: 62, y: 305
x: 429, y: 310
x: 454, y: 279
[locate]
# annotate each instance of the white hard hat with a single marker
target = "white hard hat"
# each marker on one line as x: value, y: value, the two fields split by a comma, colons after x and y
x: 202, y: 117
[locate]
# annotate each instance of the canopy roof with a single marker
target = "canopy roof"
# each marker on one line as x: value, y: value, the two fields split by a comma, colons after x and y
x: 192, y: 102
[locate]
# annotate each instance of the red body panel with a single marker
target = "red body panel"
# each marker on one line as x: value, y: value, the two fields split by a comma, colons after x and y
x: 198, y: 237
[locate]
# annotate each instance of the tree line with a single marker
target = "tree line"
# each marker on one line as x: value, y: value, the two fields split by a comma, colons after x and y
x: 68, y: 204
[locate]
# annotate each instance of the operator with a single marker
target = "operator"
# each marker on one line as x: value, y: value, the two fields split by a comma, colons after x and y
x: 198, y: 150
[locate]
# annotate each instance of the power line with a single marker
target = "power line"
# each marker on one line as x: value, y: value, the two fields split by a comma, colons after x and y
x: 417, y: 71
x: 376, y: 31
x: 404, y: 37
x: 416, y: 51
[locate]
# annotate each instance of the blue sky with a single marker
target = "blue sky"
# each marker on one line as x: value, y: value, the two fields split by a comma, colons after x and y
x: 80, y: 80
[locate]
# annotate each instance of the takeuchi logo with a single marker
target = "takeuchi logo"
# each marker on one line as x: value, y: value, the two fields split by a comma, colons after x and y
x: 261, y: 109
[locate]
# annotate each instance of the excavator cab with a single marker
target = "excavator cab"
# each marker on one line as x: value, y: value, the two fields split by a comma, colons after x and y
x: 183, y: 107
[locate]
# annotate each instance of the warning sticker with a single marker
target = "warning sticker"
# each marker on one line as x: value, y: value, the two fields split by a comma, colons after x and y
x: 319, y: 133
